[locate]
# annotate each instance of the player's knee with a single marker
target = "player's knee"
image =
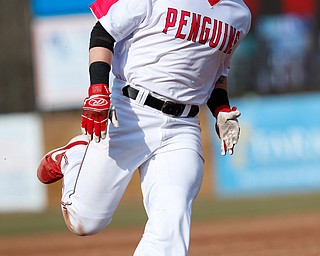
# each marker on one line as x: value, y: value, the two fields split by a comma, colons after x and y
x: 83, y: 226
x: 179, y: 204
x: 88, y: 227
x: 178, y: 213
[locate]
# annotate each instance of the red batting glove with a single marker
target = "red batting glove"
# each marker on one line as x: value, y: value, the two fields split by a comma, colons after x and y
x: 95, y: 112
x: 228, y: 129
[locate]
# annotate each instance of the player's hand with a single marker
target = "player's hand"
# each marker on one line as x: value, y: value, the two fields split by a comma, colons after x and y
x: 113, y: 116
x: 96, y: 109
x: 228, y: 129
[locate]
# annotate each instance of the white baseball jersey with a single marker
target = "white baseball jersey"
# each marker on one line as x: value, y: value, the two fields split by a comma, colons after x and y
x: 175, y: 48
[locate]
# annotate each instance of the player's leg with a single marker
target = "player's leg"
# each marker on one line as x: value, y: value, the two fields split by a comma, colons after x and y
x: 170, y: 182
x: 93, y: 186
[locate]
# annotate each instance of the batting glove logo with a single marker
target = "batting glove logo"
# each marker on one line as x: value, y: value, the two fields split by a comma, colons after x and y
x: 97, y: 102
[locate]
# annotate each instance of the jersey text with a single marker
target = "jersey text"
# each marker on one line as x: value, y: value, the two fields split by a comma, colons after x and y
x: 202, y: 29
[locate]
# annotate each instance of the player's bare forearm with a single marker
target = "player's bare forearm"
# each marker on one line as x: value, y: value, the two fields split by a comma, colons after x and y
x: 100, y: 54
x: 222, y: 83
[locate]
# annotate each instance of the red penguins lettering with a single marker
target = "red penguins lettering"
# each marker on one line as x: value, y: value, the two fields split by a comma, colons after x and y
x: 202, y: 29
x: 216, y: 34
x: 196, y: 19
x: 205, y: 30
x: 171, y: 19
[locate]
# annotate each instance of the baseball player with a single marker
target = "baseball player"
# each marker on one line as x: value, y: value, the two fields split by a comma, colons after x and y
x: 168, y: 57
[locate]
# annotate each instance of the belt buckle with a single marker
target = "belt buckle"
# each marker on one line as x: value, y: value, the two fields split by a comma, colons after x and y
x: 171, y: 108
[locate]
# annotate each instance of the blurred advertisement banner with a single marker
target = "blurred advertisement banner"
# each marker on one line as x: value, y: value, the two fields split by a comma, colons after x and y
x: 285, y: 66
x: 61, y: 55
x: 279, y: 55
x: 278, y: 151
x: 20, y: 153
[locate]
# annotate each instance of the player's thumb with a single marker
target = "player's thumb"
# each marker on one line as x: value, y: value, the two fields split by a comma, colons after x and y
x: 113, y: 116
x: 233, y: 114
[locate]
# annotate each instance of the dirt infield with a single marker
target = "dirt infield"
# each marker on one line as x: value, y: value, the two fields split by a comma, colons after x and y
x: 282, y: 235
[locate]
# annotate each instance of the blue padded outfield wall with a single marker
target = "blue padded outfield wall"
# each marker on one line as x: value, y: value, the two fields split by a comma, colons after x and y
x: 278, y: 151
x: 60, y: 7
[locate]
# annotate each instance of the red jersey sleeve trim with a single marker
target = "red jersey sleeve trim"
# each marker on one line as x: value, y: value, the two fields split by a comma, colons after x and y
x: 101, y: 7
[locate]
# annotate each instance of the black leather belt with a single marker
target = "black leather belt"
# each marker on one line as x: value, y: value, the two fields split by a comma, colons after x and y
x: 167, y: 107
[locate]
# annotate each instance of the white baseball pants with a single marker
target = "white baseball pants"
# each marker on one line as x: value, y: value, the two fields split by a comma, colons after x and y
x: 167, y: 151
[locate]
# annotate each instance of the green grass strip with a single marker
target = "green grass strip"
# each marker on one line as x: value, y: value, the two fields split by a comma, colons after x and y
x: 132, y: 213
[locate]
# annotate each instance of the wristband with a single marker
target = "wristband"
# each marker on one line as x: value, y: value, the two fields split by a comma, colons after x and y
x: 101, y: 89
x: 218, y: 100
x: 99, y: 72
